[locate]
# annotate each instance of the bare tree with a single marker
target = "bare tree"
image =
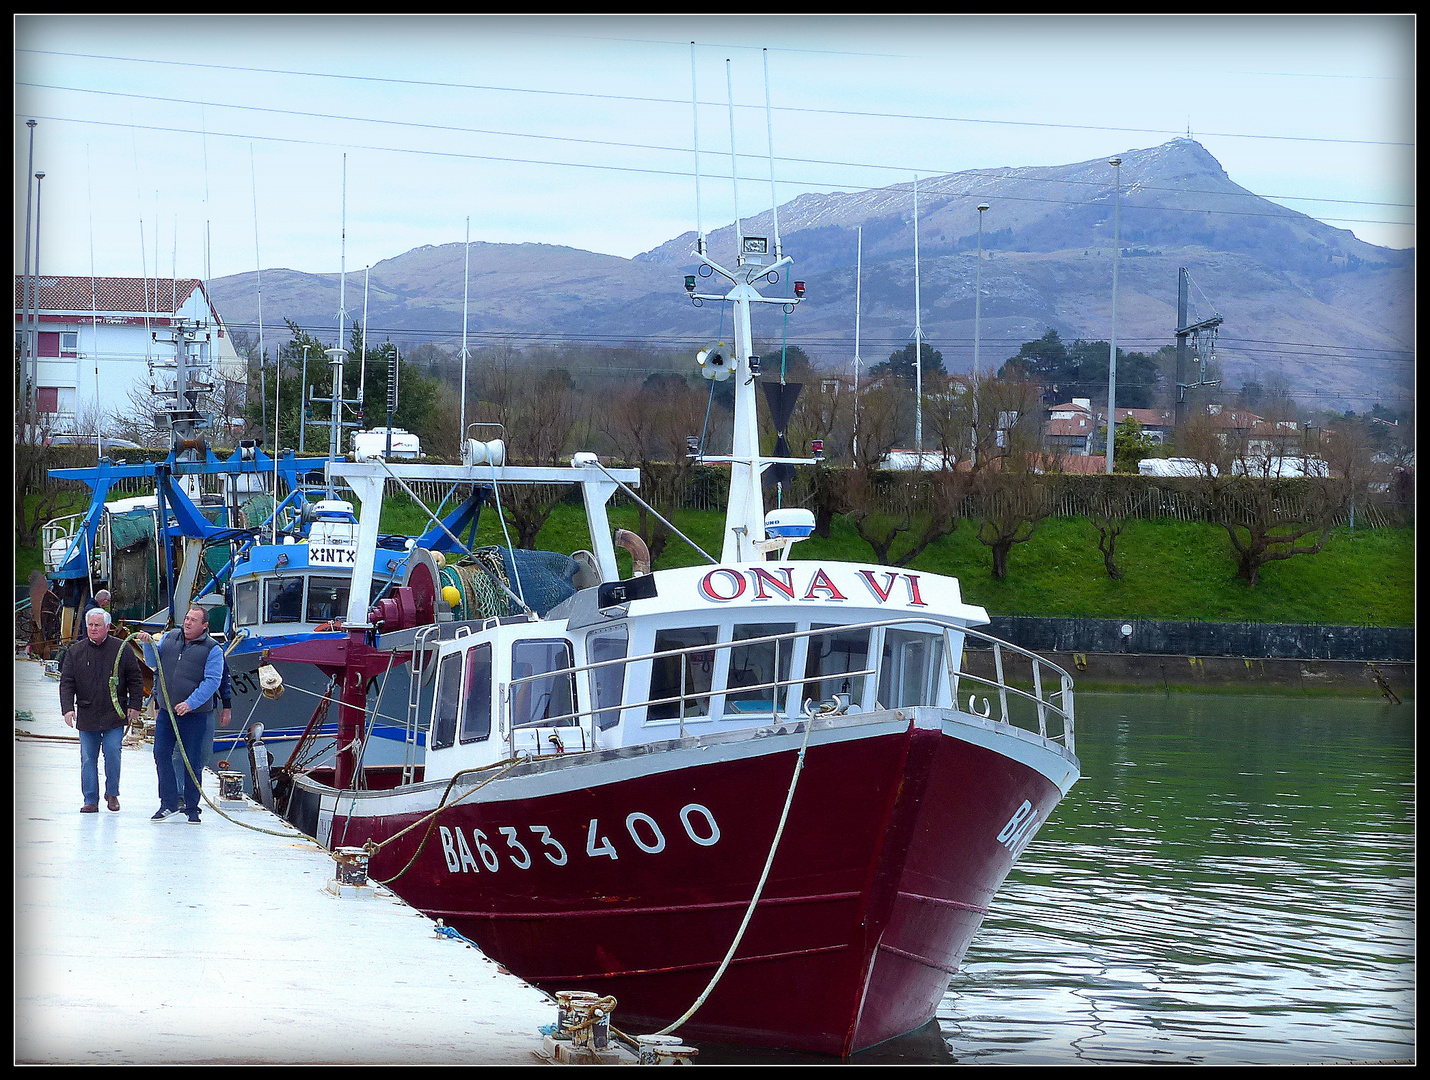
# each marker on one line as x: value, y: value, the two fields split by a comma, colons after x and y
x: 910, y: 518
x: 1012, y: 478
x: 1266, y: 519
x: 539, y: 414
x: 648, y: 427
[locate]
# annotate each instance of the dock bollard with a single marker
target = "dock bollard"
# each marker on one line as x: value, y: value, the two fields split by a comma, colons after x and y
x: 583, y: 1031
x: 568, y: 1002
x: 664, y: 1050
x: 230, y: 786
x: 352, y: 865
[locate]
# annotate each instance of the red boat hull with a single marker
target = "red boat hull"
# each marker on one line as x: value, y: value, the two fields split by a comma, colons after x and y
x: 629, y: 873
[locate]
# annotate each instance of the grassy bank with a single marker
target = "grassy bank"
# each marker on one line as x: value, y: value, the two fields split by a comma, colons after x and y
x: 1174, y: 570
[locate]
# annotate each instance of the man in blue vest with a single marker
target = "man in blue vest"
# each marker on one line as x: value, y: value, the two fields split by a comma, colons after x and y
x: 188, y: 666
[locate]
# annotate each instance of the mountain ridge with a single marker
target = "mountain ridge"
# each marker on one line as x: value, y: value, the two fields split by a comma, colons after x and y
x: 1303, y: 301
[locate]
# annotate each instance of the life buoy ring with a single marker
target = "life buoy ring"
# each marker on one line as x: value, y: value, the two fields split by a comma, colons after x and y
x: 331, y: 624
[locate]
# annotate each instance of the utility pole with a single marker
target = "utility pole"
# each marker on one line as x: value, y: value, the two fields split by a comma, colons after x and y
x: 1187, y: 330
x: 918, y: 343
x: 1116, y: 164
x: 27, y: 350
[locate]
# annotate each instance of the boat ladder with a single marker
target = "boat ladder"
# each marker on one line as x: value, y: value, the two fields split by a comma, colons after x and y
x: 422, y: 657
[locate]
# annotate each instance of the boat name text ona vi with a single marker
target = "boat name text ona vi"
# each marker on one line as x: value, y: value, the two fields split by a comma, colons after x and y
x: 838, y: 584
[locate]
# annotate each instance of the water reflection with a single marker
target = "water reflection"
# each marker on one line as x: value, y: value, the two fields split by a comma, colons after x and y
x: 1230, y: 882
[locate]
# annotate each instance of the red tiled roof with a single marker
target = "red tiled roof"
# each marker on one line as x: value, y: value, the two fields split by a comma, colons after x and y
x: 1073, y: 426
x: 108, y: 293
x: 1145, y: 417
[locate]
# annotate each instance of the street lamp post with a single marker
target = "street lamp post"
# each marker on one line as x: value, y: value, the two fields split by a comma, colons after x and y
x: 35, y: 301
x: 977, y: 326
x: 26, y: 350
x: 1116, y: 164
x: 303, y: 404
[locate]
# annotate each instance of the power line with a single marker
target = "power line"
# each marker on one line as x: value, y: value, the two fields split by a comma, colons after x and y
x: 683, y: 104
x: 983, y: 175
x: 681, y: 173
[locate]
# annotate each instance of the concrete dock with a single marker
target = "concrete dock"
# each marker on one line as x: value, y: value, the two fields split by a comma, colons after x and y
x: 167, y: 943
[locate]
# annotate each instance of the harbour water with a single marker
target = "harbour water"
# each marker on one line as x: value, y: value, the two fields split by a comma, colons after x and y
x: 1231, y: 882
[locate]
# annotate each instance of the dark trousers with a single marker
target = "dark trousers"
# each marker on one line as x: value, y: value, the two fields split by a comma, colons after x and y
x: 191, y: 734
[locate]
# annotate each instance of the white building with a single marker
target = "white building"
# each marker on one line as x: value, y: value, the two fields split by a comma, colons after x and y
x: 101, y: 338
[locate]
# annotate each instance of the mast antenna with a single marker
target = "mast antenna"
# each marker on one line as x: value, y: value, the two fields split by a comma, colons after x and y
x: 770, y: 137
x: 466, y: 284
x: 734, y: 174
x: 695, y: 123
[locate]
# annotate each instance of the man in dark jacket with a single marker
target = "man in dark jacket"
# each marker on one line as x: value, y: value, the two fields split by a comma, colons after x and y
x: 95, y: 708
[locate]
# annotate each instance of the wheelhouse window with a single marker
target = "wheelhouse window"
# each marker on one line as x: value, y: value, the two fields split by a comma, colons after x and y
x: 283, y: 599
x: 553, y: 696
x: 758, y: 665
x: 477, y: 714
x: 829, y: 660
x: 245, y: 603
x: 607, y: 683
x: 447, y: 701
x: 684, y: 678
x: 909, y: 671
x: 327, y: 598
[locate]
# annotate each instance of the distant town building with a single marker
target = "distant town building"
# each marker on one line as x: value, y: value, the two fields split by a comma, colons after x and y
x: 99, y: 339
x: 1157, y: 424
x: 1246, y: 434
x: 1069, y: 427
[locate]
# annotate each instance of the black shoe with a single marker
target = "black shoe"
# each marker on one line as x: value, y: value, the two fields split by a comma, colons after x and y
x: 162, y: 814
x: 193, y: 817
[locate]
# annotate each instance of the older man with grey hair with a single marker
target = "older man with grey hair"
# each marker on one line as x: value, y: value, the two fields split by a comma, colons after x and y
x: 97, y: 677
x: 101, y: 601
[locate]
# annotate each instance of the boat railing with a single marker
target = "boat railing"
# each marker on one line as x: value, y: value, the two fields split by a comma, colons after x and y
x: 1055, y: 705
x: 55, y: 537
x: 1034, y: 705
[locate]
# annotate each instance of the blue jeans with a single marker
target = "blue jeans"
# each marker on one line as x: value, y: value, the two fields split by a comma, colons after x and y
x: 180, y: 772
x: 90, y: 745
x: 191, y: 733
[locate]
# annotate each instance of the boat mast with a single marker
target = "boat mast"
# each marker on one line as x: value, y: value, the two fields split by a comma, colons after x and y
x: 744, y: 539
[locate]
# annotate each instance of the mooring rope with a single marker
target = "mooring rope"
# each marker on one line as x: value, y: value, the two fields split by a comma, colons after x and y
x: 189, y: 766
x: 759, y: 888
x: 373, y: 846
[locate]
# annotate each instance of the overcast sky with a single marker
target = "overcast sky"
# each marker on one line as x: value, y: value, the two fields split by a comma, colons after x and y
x: 220, y: 141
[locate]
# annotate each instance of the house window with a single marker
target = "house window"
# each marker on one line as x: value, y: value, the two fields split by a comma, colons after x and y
x: 49, y: 343
x: 47, y: 399
x: 69, y: 343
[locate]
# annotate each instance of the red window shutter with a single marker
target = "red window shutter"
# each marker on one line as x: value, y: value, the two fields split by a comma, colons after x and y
x: 47, y: 399
x: 49, y: 343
